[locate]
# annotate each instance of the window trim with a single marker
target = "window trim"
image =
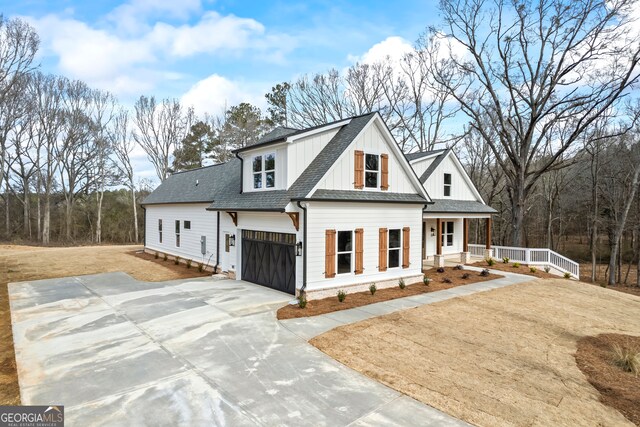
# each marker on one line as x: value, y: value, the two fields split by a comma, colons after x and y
x: 445, y: 233
x: 378, y: 171
x: 398, y: 249
x: 159, y: 230
x: 447, y: 186
x: 263, y: 171
x: 351, y: 252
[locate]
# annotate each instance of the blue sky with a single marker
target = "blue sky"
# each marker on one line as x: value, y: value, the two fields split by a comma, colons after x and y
x: 213, y: 53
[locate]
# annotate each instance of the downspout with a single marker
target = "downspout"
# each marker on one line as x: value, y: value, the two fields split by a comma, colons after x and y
x: 215, y: 269
x: 241, y: 171
x: 144, y: 238
x: 304, y: 248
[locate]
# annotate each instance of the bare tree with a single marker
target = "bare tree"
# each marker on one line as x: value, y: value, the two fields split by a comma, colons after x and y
x: 535, y: 68
x: 123, y: 145
x: 160, y: 128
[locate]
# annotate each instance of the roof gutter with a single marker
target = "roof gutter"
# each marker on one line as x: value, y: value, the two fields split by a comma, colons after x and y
x: 404, y: 202
x: 245, y: 209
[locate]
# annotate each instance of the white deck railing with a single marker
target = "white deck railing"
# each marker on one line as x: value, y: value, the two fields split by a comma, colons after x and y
x: 536, y: 256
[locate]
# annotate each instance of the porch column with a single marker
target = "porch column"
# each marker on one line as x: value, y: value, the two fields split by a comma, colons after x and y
x: 465, y: 255
x: 438, y: 258
x: 488, y: 252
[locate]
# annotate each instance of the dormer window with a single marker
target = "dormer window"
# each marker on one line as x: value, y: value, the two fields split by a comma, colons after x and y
x: 371, y: 170
x: 264, y: 171
x: 447, y: 184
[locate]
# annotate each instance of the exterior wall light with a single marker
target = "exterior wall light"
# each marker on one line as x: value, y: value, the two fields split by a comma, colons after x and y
x: 299, y: 249
x: 232, y: 240
x: 433, y: 232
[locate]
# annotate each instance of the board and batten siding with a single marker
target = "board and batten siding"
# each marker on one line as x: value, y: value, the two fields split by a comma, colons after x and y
x: 370, y: 217
x: 301, y: 153
x: 460, y: 190
x: 203, y: 223
x: 371, y: 141
x: 419, y: 166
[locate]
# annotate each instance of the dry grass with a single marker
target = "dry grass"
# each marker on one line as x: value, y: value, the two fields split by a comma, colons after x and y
x: 502, y: 357
x: 627, y: 358
x: 22, y: 263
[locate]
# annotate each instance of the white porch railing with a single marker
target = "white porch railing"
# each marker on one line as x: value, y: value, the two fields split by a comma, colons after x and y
x: 537, y: 256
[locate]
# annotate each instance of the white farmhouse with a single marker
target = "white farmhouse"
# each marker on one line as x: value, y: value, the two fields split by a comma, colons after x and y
x: 316, y: 210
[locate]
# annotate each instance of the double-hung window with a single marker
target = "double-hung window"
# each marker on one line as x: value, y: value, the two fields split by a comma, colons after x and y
x: 345, y: 251
x: 187, y: 225
x: 177, y: 233
x: 159, y: 231
x: 264, y: 171
x: 394, y: 248
x: 447, y: 235
x: 447, y: 184
x: 371, y: 170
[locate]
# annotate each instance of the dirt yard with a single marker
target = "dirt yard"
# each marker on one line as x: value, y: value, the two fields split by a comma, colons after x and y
x: 21, y: 263
x: 496, y: 358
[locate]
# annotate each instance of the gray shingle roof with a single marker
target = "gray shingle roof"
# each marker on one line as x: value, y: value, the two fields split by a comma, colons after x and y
x: 434, y: 164
x: 458, y: 206
x: 181, y: 187
x: 414, y: 156
x: 276, y: 134
x: 365, y: 196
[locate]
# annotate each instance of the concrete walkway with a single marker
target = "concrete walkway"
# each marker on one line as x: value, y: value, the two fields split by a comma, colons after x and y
x: 309, y: 327
x: 201, y: 352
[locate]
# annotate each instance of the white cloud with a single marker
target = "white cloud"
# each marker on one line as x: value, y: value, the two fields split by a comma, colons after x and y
x: 215, y: 94
x: 131, y: 17
x: 393, y: 47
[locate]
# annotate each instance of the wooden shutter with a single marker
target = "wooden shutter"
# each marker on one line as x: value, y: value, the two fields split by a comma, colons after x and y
x: 359, y: 250
x: 358, y: 172
x: 406, y: 242
x: 330, y: 254
x: 382, y: 250
x: 384, y: 160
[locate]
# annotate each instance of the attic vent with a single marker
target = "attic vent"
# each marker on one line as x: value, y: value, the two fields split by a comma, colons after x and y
x: 197, y: 182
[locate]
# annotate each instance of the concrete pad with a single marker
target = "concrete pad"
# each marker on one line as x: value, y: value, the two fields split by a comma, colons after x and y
x: 183, y: 400
x: 379, y: 308
x: 309, y: 327
x: 405, y: 411
x: 351, y: 315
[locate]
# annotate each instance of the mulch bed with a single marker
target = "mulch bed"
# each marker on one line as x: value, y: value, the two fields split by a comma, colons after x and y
x: 358, y: 299
x: 522, y: 269
x: 180, y: 268
x: 618, y: 389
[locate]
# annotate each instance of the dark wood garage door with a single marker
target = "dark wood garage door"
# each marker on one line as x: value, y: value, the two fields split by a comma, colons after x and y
x: 269, y: 259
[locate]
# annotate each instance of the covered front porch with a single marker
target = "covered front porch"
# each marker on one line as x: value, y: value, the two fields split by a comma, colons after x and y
x: 445, y: 238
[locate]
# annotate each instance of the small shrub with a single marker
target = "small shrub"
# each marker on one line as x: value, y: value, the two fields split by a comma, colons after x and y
x: 426, y: 280
x: 440, y: 270
x: 533, y: 269
x: 165, y: 257
x: 302, y: 302
x: 490, y: 261
x: 177, y: 260
x: 200, y: 267
x: 156, y: 256
x: 484, y: 273
x: 466, y: 276
x: 341, y: 295
x: 547, y: 269
x: 627, y: 358
x: 188, y: 263
x: 459, y: 267
x: 446, y: 280
x: 401, y: 283
x: 505, y: 260
x: 516, y: 265
x: 567, y: 275
x: 373, y: 289
x: 603, y: 285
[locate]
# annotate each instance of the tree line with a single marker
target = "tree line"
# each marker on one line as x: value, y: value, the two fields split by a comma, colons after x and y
x: 537, y: 97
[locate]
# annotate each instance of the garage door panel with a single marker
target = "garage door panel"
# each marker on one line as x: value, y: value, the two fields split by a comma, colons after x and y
x: 268, y: 259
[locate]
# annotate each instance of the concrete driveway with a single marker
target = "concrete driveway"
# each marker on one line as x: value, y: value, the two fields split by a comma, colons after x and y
x: 116, y: 351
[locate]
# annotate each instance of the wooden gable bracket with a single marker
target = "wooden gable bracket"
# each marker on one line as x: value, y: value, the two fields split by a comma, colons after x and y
x: 234, y: 217
x: 295, y: 218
